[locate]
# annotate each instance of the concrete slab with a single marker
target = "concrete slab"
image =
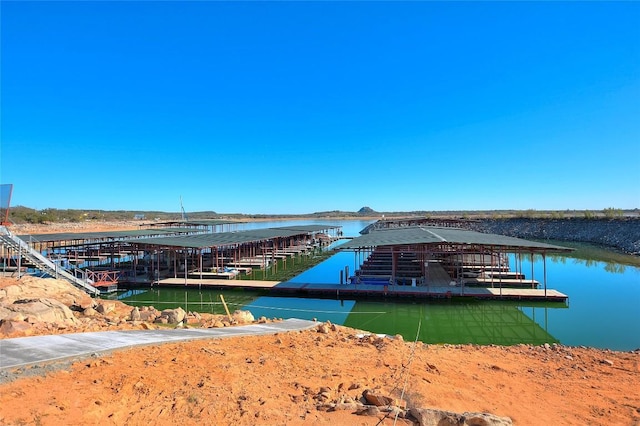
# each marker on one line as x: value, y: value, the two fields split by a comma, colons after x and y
x: 24, y: 351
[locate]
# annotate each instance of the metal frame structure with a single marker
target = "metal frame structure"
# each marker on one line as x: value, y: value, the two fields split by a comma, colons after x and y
x: 175, y: 250
x: 432, y: 243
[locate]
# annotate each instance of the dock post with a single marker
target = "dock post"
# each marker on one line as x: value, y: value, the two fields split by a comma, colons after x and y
x: 544, y: 266
x: 226, y: 308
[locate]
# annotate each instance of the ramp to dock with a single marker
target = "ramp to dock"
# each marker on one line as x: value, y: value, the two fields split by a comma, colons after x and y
x: 42, y: 263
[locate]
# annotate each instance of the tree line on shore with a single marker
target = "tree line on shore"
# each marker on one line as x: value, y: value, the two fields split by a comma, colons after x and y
x: 23, y: 214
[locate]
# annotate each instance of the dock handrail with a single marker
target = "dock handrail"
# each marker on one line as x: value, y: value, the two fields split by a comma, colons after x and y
x: 43, y: 263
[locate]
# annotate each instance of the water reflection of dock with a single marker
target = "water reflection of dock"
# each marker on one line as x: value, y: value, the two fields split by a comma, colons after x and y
x: 479, y: 323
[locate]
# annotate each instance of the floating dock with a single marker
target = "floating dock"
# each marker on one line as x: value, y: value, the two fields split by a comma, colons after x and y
x: 426, y: 292
x: 363, y: 290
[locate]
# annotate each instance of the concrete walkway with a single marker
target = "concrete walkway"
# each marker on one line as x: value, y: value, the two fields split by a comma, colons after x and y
x: 24, y: 351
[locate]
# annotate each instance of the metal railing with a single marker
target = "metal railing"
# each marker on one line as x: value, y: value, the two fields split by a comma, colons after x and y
x: 44, y: 263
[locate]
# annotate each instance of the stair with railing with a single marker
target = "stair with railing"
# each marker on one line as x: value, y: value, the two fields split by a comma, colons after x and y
x: 42, y: 263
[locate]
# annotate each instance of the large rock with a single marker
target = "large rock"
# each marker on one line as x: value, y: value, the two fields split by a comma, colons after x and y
x: 29, y: 287
x: 243, y: 317
x: 172, y: 316
x: 376, y: 399
x: 41, y: 310
x: 11, y: 328
x: 433, y: 417
x: 149, y: 315
x: 105, y: 307
x: 135, y: 314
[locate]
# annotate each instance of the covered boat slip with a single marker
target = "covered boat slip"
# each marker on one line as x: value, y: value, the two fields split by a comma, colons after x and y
x: 201, y: 225
x: 95, y: 248
x: 147, y: 256
x: 446, y: 261
x: 91, y: 242
x: 210, y: 257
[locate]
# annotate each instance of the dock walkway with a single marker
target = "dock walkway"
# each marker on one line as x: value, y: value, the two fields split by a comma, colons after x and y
x: 424, y: 292
x: 372, y: 290
x: 216, y: 283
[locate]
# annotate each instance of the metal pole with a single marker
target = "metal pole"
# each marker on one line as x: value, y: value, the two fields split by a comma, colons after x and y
x: 544, y: 263
x: 532, y: 279
x: 19, y: 262
x: 175, y: 263
x: 500, y: 271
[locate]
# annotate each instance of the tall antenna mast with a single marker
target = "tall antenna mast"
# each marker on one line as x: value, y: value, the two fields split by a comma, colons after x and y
x: 184, y: 215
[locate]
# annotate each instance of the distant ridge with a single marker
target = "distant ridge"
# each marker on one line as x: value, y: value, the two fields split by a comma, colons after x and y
x: 366, y: 210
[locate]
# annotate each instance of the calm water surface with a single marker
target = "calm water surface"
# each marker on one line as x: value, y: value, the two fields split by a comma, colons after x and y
x: 603, y: 309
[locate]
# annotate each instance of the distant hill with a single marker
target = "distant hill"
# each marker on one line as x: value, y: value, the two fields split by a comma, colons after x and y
x: 366, y: 210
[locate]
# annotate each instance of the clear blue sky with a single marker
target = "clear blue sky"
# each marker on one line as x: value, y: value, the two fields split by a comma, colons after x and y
x: 299, y: 107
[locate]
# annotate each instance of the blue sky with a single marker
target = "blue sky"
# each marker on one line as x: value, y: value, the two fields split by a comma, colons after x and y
x: 299, y: 107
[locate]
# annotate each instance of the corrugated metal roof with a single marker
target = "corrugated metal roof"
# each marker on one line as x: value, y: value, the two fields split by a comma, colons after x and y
x: 231, y: 238
x: 76, y: 236
x: 199, y: 240
x: 267, y: 233
x: 162, y: 236
x: 436, y: 235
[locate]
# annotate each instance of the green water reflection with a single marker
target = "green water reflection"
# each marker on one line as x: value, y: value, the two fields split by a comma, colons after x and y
x: 440, y: 322
x: 205, y: 301
x: 451, y: 322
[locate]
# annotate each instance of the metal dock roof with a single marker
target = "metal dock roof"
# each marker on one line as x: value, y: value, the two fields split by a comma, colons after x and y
x: 230, y: 238
x: 75, y: 236
x: 438, y: 235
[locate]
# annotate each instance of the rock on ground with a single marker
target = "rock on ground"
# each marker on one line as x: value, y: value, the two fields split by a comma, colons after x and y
x: 433, y: 417
x: 29, y: 287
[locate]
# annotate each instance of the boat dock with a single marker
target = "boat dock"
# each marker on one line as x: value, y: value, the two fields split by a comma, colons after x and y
x: 370, y: 290
x: 439, y: 285
x: 423, y: 292
x: 215, y: 283
x: 418, y: 262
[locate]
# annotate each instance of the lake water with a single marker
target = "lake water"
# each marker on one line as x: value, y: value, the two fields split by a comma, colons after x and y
x: 603, y: 309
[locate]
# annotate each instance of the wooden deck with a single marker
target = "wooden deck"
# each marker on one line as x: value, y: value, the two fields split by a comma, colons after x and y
x: 214, y: 275
x: 424, y: 292
x: 360, y: 290
x: 501, y: 282
x: 217, y: 283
